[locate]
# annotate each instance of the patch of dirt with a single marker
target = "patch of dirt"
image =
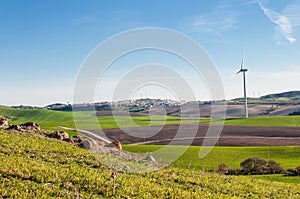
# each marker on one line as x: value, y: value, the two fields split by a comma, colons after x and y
x: 119, y: 113
x: 232, y: 111
x: 232, y: 135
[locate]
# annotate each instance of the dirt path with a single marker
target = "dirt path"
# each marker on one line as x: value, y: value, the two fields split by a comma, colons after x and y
x: 87, y: 133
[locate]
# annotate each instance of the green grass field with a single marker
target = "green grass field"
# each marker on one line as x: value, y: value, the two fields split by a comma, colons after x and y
x: 51, y: 119
x: 266, y: 121
x: 35, y: 167
x: 287, y: 156
x: 48, y: 119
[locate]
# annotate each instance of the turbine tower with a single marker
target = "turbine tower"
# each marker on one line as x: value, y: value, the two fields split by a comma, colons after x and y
x: 244, y: 70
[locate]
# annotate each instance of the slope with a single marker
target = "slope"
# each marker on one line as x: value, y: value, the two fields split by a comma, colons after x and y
x: 34, y: 167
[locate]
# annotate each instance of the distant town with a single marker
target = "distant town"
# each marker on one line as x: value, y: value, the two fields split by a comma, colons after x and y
x: 130, y: 105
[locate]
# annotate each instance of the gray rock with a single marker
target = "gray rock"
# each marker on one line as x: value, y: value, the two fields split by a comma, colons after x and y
x: 150, y: 159
x: 92, y: 144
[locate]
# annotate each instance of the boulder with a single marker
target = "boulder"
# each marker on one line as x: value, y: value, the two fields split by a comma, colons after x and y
x: 4, y: 123
x: 116, y: 144
x: 60, y: 135
x: 150, y: 159
x: 77, y: 140
x: 14, y: 127
x: 92, y: 144
x: 64, y: 135
x: 70, y: 140
x: 30, y: 126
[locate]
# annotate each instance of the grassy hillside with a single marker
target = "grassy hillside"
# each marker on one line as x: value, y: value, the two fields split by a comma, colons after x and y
x: 285, y: 96
x: 34, y: 167
x: 46, y: 118
x: 289, y: 96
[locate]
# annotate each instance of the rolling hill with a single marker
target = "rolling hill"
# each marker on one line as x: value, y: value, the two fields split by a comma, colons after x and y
x: 285, y: 96
x: 35, y: 167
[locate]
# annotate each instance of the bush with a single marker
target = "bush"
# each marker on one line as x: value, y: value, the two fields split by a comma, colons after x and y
x: 255, y: 165
x: 298, y: 170
x: 274, y: 167
x: 223, y: 167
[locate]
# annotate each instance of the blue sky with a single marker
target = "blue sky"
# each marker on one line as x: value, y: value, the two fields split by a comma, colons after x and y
x: 44, y: 43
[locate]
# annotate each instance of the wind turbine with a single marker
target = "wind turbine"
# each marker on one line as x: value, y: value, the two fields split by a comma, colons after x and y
x: 244, y: 70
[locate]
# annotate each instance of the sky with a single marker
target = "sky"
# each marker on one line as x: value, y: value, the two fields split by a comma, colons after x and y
x: 43, y: 45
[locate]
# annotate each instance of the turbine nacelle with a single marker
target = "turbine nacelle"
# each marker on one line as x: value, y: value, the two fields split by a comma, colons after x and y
x: 242, y: 70
x: 242, y: 66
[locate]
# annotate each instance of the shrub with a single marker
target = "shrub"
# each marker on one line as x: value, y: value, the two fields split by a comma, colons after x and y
x: 260, y: 166
x: 254, y: 165
x: 298, y: 170
x: 223, y: 167
x: 274, y: 167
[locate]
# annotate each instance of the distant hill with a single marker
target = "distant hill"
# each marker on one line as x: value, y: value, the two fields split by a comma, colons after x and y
x: 45, y: 118
x: 284, y: 97
x: 291, y: 95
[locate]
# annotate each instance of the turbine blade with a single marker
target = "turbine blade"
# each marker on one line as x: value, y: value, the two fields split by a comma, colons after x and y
x: 242, y: 64
x: 243, y: 59
x: 235, y: 74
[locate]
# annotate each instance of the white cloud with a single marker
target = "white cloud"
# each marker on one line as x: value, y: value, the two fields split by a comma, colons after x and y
x: 285, y: 21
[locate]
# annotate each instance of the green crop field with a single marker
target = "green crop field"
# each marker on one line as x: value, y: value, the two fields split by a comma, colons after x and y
x: 35, y: 167
x: 48, y: 119
x: 287, y: 156
x: 266, y: 121
x: 51, y: 119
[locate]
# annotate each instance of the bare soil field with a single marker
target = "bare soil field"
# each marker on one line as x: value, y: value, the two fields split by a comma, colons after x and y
x: 232, y: 135
x: 232, y: 111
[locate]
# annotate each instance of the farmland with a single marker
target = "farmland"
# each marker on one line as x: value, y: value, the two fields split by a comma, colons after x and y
x: 30, y: 161
x: 34, y: 167
x: 287, y: 156
x: 50, y: 119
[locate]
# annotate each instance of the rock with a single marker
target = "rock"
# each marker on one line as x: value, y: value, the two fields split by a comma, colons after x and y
x: 70, y: 140
x: 92, y: 144
x: 60, y: 135
x: 77, y: 140
x: 64, y: 135
x: 55, y: 135
x: 117, y: 144
x: 4, y: 123
x: 14, y: 127
x: 89, y: 144
x: 30, y: 126
x: 151, y: 159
